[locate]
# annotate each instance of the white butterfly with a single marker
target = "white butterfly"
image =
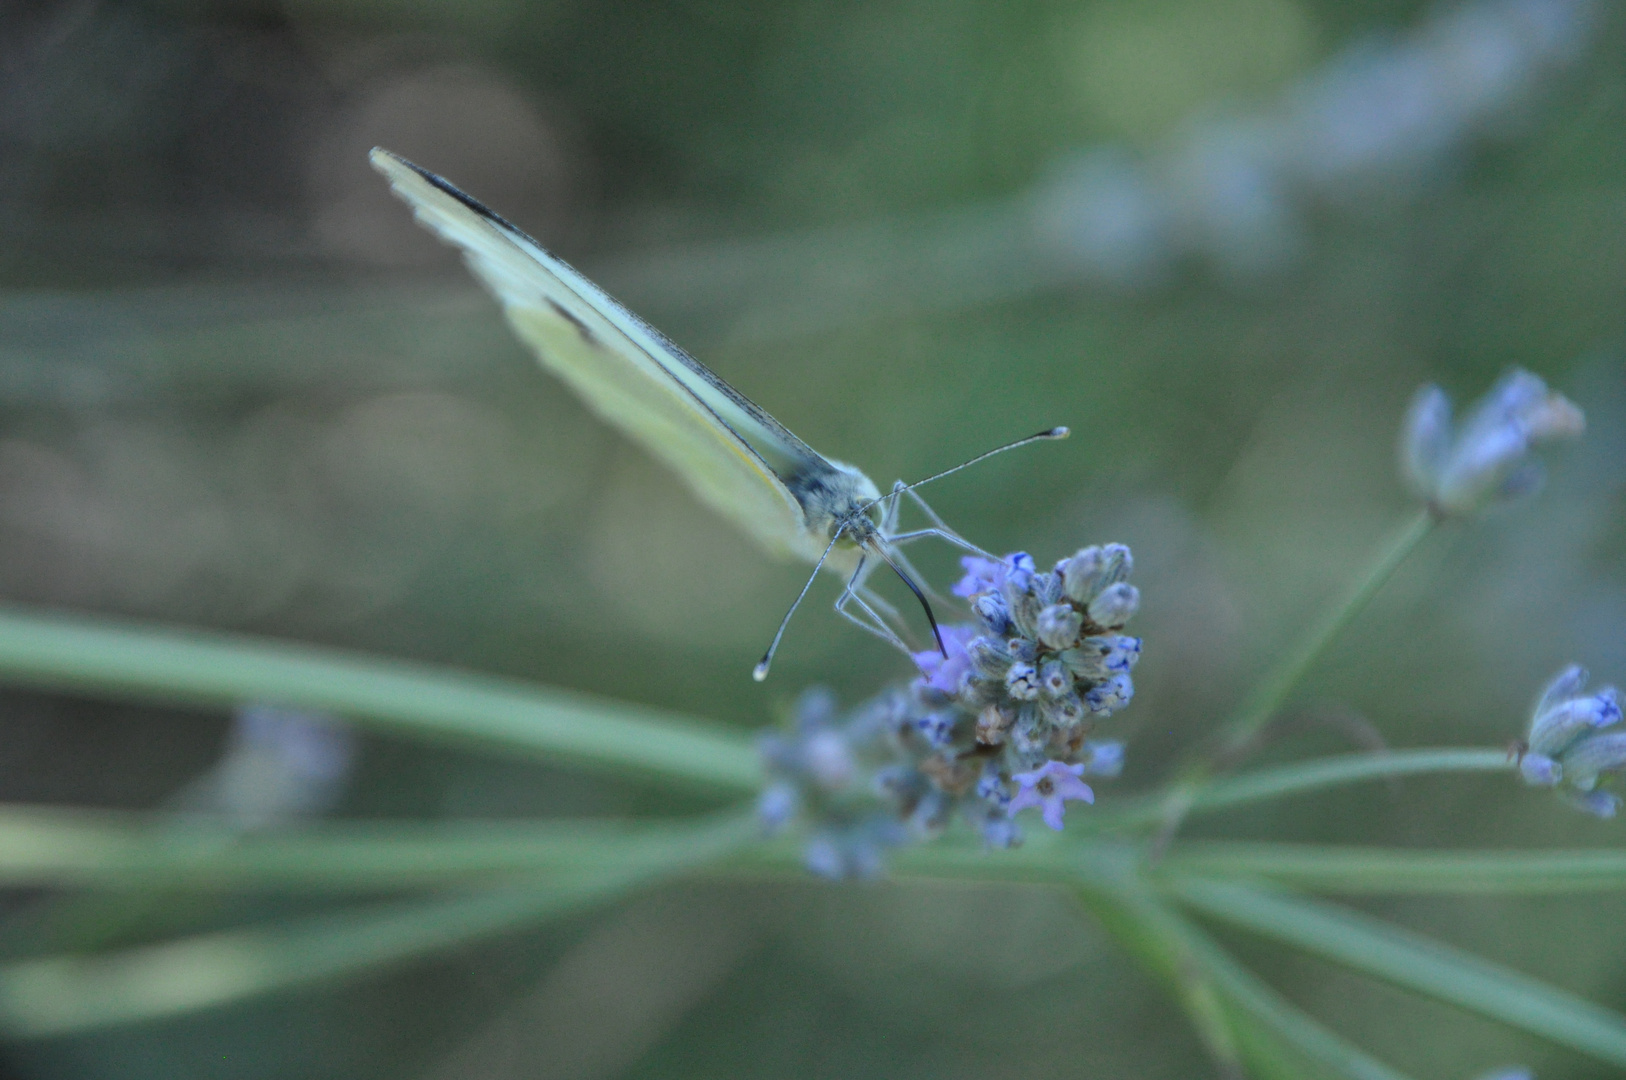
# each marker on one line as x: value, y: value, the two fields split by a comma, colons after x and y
x: 738, y: 459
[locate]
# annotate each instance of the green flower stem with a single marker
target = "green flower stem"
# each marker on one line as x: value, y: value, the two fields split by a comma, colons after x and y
x: 101, y: 656
x: 111, y: 850
x: 1134, y: 916
x: 1384, y: 871
x: 1413, y: 961
x: 1271, y: 691
x: 1254, y: 1003
x: 61, y: 995
x: 1295, y: 779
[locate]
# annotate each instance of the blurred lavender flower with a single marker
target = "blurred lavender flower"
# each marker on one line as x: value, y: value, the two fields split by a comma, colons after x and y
x: 278, y: 764
x: 1566, y: 746
x: 1509, y: 1072
x: 1486, y: 460
x: 1380, y: 120
x: 999, y: 724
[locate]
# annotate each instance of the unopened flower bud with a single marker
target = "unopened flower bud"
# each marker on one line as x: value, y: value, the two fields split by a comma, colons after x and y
x: 829, y: 760
x: 1066, y: 712
x: 1108, y: 697
x: 995, y: 614
x: 1055, y: 680
x: 1539, y: 770
x: 1593, y: 755
x: 992, y: 724
x: 778, y: 805
x: 1115, y: 605
x: 1425, y: 439
x: 1106, y: 758
x: 1059, y: 626
x: 1095, y: 568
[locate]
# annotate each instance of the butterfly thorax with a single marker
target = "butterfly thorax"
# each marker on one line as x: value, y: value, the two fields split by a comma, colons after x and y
x: 837, y: 498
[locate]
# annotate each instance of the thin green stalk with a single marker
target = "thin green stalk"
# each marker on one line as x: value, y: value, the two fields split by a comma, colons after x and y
x: 194, y: 667
x: 120, y: 850
x: 1271, y: 691
x: 1278, y: 781
x: 1413, y: 961
x: 1132, y: 914
x: 1275, y: 1013
x: 1388, y: 871
x: 65, y: 994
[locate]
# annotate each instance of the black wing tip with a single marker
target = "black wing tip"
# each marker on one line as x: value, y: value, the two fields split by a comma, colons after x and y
x: 440, y: 183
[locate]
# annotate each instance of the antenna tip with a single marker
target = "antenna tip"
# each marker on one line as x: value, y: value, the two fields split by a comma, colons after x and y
x: 760, y: 672
x: 1058, y: 433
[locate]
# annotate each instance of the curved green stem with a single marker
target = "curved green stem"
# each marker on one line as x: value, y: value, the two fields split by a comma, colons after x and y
x: 194, y: 667
x: 1299, y: 777
x: 1271, y: 691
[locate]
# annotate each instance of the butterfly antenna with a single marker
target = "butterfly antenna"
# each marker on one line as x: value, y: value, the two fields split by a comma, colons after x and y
x: 1048, y: 433
x: 909, y: 581
x: 760, y: 672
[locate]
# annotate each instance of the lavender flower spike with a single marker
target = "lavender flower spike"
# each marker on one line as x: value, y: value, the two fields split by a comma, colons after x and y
x: 1567, y: 747
x: 1050, y: 786
x: 1488, y: 458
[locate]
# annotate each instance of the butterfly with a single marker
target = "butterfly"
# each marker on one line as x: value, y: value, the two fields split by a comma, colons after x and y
x: 740, y: 461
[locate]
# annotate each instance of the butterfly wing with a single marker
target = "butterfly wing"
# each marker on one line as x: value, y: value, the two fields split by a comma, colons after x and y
x: 737, y: 458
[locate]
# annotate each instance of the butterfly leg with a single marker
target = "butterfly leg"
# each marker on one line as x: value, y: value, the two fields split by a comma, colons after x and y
x: 853, y: 593
x: 939, y: 528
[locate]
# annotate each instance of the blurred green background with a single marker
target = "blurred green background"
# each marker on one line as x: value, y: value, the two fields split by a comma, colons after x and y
x: 1223, y: 240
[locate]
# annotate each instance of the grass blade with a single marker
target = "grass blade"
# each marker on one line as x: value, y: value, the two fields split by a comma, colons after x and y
x: 1385, y: 870
x: 156, y: 663
x: 1415, y: 962
x: 65, y: 994
x: 120, y: 850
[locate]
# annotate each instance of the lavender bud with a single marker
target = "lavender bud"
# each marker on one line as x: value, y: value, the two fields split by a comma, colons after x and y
x: 992, y: 723
x: 1425, y: 439
x: 1539, y: 770
x: 1059, y: 626
x: 1022, y: 681
x: 1566, y: 684
x: 936, y: 728
x: 1047, y: 588
x: 778, y: 805
x: 1106, y: 758
x: 1591, y: 756
x: 829, y: 760
x: 1553, y: 730
x: 1024, y: 611
x: 1022, y: 649
x: 1031, y: 732
x: 989, y: 657
x: 1055, y: 680
x: 1020, y: 571
x: 994, y: 613
x: 1065, y: 712
x: 1095, y: 568
x: 1602, y: 804
x: 1115, y: 605
x: 1106, y: 698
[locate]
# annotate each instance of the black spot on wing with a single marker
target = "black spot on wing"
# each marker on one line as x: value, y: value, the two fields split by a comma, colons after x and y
x: 571, y: 317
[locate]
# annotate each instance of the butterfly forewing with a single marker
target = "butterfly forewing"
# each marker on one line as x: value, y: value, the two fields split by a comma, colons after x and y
x: 736, y: 457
